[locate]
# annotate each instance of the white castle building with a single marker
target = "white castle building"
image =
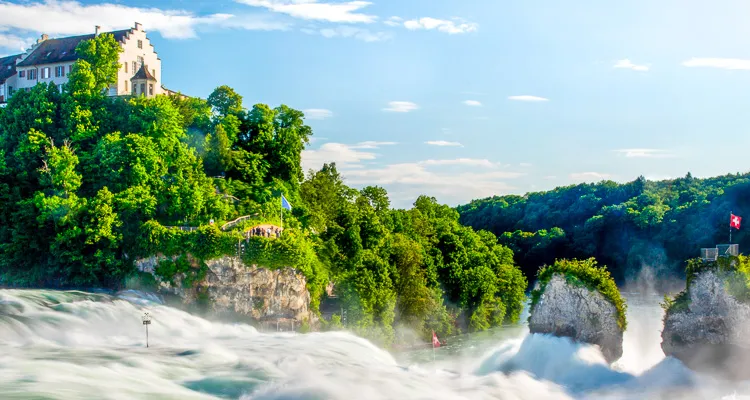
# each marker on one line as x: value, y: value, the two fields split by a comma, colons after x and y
x: 51, y: 60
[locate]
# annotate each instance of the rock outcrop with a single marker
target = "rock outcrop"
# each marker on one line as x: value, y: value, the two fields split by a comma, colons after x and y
x: 711, y: 332
x: 231, y: 286
x: 581, y: 314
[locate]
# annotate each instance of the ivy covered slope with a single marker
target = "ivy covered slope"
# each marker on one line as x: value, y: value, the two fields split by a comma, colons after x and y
x: 584, y: 273
x: 89, y: 184
x: 624, y: 226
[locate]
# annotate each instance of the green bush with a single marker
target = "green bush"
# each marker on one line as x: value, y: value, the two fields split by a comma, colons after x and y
x: 584, y: 273
x: 735, y: 271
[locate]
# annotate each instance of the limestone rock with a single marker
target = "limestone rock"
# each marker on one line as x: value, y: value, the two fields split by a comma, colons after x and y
x: 713, y: 333
x: 231, y: 286
x: 581, y: 314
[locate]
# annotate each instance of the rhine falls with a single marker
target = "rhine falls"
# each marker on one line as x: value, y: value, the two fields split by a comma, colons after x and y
x: 75, y: 345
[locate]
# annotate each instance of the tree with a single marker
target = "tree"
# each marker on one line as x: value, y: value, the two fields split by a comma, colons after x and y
x: 102, y: 53
x: 225, y: 101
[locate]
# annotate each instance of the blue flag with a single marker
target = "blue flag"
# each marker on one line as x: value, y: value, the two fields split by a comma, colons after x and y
x: 285, y: 203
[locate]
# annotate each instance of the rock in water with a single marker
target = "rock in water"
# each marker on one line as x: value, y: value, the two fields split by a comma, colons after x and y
x: 574, y: 311
x: 231, y: 286
x: 710, y: 330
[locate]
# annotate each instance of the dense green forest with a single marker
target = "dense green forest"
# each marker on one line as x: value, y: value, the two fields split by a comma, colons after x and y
x: 626, y: 226
x: 90, y: 183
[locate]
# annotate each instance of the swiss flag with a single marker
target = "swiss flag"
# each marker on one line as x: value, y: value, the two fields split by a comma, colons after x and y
x: 435, y: 341
x: 734, y: 221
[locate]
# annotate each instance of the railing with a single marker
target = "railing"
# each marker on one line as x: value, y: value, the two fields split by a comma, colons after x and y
x: 183, y: 228
x: 231, y: 224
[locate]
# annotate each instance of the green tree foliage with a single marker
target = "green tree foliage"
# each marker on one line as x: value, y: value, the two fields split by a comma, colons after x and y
x: 585, y: 273
x: 102, y: 55
x: 626, y: 226
x: 90, y: 183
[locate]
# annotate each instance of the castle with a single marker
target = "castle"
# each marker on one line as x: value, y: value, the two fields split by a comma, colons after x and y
x: 51, y: 60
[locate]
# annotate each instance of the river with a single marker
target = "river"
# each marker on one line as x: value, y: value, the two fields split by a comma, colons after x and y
x: 75, y: 345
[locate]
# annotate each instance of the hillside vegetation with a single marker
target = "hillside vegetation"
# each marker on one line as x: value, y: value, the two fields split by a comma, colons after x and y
x: 89, y: 184
x: 625, y: 226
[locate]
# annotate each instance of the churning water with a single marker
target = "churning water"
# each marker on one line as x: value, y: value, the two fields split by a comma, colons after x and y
x: 74, y: 345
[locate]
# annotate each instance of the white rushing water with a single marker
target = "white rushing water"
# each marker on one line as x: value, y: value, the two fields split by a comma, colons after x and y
x: 74, y: 345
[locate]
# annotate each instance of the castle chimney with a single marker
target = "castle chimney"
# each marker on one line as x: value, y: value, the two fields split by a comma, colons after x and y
x: 138, y: 26
x: 97, y: 29
x: 43, y: 38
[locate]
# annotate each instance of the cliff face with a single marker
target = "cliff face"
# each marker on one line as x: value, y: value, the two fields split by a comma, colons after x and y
x: 231, y: 286
x: 578, y: 313
x: 713, y: 333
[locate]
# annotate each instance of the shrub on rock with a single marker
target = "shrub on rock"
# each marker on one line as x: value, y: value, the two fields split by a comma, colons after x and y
x: 580, y: 300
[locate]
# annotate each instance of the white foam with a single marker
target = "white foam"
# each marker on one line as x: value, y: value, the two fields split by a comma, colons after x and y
x: 81, y: 346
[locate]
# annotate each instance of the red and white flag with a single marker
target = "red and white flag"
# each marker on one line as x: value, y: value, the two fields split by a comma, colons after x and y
x: 435, y: 341
x: 734, y: 221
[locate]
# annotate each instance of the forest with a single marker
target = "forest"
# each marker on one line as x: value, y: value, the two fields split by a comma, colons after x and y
x: 654, y: 224
x: 91, y: 183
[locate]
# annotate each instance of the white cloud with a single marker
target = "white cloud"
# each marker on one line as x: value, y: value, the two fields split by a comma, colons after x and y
x: 353, y: 32
x: 443, y: 143
x: 71, y: 17
x: 371, y: 144
x: 589, y: 176
x: 550, y: 177
x: 472, y: 103
x: 474, y: 162
x: 401, y: 106
x: 645, y: 153
x: 525, y: 165
x: 452, y: 27
x: 394, y: 21
x: 406, y: 181
x: 627, y: 64
x: 723, y: 63
x: 317, y: 113
x: 343, y: 155
x: 345, y: 12
x: 527, y: 98
x: 15, y: 43
x: 451, y: 180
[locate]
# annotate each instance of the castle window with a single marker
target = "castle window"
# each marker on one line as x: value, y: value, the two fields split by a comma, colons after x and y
x: 150, y: 89
x: 135, y: 68
x: 59, y: 71
x: 126, y: 67
x: 143, y: 88
x: 140, y: 44
x: 21, y: 74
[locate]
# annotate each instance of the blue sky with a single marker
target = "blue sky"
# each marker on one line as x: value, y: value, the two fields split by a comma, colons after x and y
x: 460, y: 99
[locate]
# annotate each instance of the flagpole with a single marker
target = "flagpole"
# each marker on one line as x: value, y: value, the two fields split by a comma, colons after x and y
x: 281, y: 210
x: 730, y: 226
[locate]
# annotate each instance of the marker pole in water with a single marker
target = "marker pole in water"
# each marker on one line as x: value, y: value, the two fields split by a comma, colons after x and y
x: 146, y: 321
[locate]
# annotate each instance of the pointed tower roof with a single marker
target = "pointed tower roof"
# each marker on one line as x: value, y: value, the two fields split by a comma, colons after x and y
x: 143, y: 74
